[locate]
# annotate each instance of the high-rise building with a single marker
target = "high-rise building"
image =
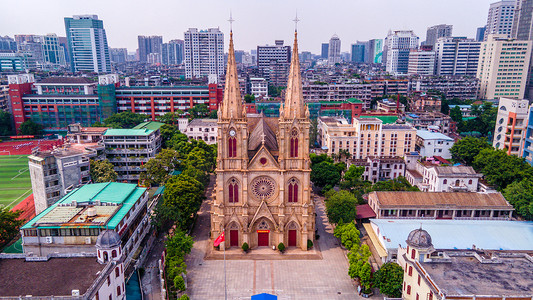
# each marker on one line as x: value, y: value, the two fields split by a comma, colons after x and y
x: 87, y: 43
x: 149, y: 44
x: 457, y: 56
x: 204, y: 52
x: 435, y: 32
x: 480, y: 34
x: 325, y: 51
x: 421, y: 62
x: 334, y: 50
x: 274, y: 62
x: 503, y: 67
x: 119, y: 55
x: 7, y: 44
x: 398, y: 44
x: 64, y: 44
x: 522, y: 21
x: 173, y: 52
x: 32, y: 44
x: 511, y: 124
x: 54, y: 53
x: 358, y: 52
x: 500, y: 18
x: 375, y: 51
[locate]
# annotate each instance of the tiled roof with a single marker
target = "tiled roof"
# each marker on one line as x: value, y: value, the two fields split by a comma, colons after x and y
x: 67, y: 80
x: 441, y: 199
x: 128, y: 132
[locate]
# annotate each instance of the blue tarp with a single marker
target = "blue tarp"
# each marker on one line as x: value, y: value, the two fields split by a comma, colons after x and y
x: 264, y: 296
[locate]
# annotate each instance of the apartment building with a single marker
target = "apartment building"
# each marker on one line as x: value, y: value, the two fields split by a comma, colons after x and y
x: 462, y: 87
x: 337, y: 92
x: 500, y: 18
x: 396, y: 50
x: 204, y: 52
x: 258, y: 87
x: 456, y: 56
x: 365, y: 137
x: 421, y: 62
x: 203, y: 129
x: 503, y: 67
x: 433, y: 144
x: 433, y: 121
x: 380, y: 168
x: 511, y: 126
x: 129, y: 149
x: 274, y: 61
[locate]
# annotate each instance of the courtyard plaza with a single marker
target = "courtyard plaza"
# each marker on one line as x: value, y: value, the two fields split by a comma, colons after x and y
x: 321, y: 273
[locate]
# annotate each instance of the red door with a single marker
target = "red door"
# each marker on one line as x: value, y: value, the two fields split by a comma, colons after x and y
x: 262, y: 239
x: 292, y: 238
x: 234, y: 238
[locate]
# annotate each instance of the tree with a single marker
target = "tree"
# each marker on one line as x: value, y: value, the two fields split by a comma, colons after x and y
x: 501, y: 169
x: 30, y: 128
x: 183, y: 194
x: 249, y: 98
x: 9, y: 224
x: 520, y: 196
x: 167, y: 131
x: 102, y: 171
x: 348, y: 234
x: 316, y: 159
x: 397, y: 184
x: 353, y: 182
x: 198, y: 111
x: 125, y: 119
x: 359, y: 265
x: 325, y: 174
x: 444, y: 107
x: 313, y: 133
x: 466, y: 149
x: 456, y: 115
x: 389, y: 279
x: 171, y: 117
x: 212, y: 115
x: 179, y: 244
x: 341, y: 207
x: 6, y: 129
x: 158, y: 169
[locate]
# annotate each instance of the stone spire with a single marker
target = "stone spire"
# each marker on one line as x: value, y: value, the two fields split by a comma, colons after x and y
x: 232, y: 101
x: 294, y: 104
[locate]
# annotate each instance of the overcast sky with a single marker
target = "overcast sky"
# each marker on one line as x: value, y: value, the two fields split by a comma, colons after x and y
x: 258, y: 22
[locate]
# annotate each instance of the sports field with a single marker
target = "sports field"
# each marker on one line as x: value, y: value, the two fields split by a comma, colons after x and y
x: 15, y: 184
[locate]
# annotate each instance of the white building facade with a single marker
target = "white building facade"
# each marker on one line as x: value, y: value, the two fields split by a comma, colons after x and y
x: 457, y: 56
x: 398, y: 44
x: 511, y: 124
x: 421, y: 62
x: 204, y: 52
x: 433, y: 144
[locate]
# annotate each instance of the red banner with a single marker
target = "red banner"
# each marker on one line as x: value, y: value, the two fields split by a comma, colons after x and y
x: 263, y: 231
x: 22, y: 137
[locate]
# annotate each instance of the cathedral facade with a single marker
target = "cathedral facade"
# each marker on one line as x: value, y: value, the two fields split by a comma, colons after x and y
x: 263, y: 187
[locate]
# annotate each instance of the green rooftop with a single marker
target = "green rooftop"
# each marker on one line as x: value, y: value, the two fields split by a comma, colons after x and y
x: 152, y: 125
x: 128, y: 132
x: 384, y: 119
x: 353, y: 100
x: 119, y: 198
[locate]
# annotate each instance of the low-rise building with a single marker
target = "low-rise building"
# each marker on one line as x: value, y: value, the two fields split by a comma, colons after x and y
x: 440, y: 205
x: 434, y: 121
x: 462, y: 87
x: 390, y: 106
x: 85, y: 135
x: 365, y: 137
x: 258, y: 87
x: 467, y: 274
x: 511, y: 125
x: 203, y: 129
x: 319, y: 91
x: 424, y: 102
x: 433, y: 144
x: 129, y: 149
x: 55, y: 173
x: 380, y: 168
x: 429, y: 176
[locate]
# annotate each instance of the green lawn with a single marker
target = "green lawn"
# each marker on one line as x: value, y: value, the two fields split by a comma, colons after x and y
x: 15, y: 184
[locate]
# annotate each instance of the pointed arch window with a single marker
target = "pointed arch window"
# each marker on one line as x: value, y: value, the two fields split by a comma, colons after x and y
x: 232, y: 147
x: 294, y: 144
x: 293, y: 190
x: 233, y: 190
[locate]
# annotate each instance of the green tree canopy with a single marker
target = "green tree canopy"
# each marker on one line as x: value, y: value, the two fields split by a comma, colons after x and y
x: 397, y: 184
x: 30, y: 128
x: 316, y: 159
x: 6, y: 128
x: 249, y: 98
x: 348, y: 234
x: 158, y: 169
x: 389, y: 279
x: 325, y: 174
x: 520, y: 196
x: 171, y: 117
x: 501, y: 169
x: 341, y: 207
x: 466, y: 149
x: 9, y: 224
x: 102, y: 171
x: 456, y: 115
x: 125, y: 119
x: 198, y: 111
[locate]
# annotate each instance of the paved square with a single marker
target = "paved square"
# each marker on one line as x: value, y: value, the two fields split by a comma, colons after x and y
x: 289, y: 279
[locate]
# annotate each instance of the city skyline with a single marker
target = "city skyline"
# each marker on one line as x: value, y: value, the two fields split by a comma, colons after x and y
x: 256, y: 23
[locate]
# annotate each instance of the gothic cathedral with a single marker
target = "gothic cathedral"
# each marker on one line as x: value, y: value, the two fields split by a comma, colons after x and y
x: 263, y: 187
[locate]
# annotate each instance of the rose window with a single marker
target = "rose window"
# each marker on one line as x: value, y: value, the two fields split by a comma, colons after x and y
x: 263, y: 187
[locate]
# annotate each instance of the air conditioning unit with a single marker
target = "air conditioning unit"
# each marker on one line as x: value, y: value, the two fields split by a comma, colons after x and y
x: 88, y: 240
x: 49, y: 240
x: 76, y: 293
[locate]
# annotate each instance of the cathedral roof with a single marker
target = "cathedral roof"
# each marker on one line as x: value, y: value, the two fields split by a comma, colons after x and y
x: 232, y: 102
x: 262, y: 133
x: 294, y: 105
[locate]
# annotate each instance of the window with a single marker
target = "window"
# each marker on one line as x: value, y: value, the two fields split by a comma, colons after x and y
x: 294, y: 147
x: 417, y: 297
x: 413, y: 254
x: 119, y: 291
x: 470, y: 181
x: 410, y: 271
x: 233, y: 191
x: 108, y: 281
x: 445, y: 181
x: 408, y: 290
x: 232, y: 147
x: 114, y: 253
x: 293, y: 190
x: 117, y: 273
x: 418, y: 279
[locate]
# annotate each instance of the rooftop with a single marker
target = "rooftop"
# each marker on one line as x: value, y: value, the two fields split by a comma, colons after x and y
x: 456, y: 171
x: 465, y: 275
x: 57, y: 276
x: 441, y: 199
x: 66, y: 80
x: 428, y: 135
x: 128, y: 132
x: 460, y: 234
x: 203, y: 122
x: 73, y: 209
x: 384, y: 119
x: 151, y: 125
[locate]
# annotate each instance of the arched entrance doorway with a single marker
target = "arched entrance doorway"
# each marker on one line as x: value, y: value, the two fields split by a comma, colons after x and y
x: 292, y: 235
x: 233, y: 235
x: 263, y: 234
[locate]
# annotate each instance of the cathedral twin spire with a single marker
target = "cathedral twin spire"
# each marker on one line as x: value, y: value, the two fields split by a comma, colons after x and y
x: 232, y: 106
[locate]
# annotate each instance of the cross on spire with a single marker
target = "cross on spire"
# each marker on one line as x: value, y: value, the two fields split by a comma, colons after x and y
x: 296, y: 20
x: 231, y: 20
x: 263, y: 138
